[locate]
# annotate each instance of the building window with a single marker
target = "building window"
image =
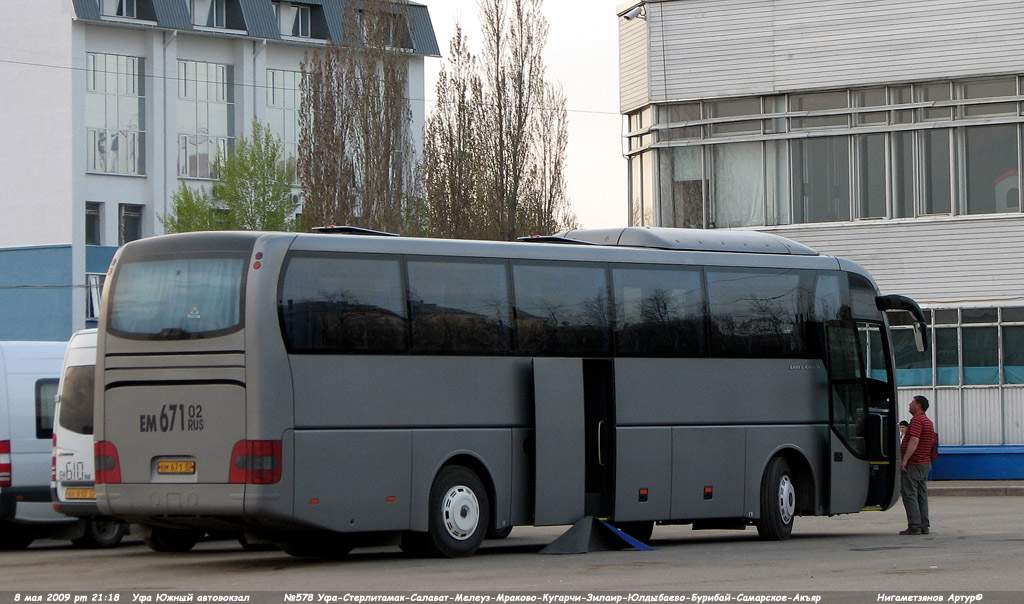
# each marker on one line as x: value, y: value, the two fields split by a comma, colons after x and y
x: 902, y: 151
x: 821, y: 179
x: 93, y: 290
x: 990, y: 156
x: 209, y: 13
x: 284, y: 99
x: 118, y: 8
x: 93, y: 223
x: 129, y: 223
x: 737, y: 190
x: 115, y: 114
x: 206, y: 117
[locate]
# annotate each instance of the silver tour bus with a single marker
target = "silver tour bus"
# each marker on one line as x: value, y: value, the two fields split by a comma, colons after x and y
x: 326, y: 391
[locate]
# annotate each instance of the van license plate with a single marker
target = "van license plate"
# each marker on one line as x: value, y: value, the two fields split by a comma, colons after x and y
x: 80, y: 494
x: 175, y: 467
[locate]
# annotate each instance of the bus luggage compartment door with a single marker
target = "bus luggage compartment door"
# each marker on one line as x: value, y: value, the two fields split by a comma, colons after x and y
x: 560, y: 462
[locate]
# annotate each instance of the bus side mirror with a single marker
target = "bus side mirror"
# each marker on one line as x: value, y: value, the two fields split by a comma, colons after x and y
x: 896, y: 302
x: 921, y: 336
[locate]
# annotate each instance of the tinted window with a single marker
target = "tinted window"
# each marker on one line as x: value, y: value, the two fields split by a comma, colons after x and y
x: 759, y: 312
x: 459, y: 307
x: 46, y: 392
x: 659, y: 312
x: 184, y: 297
x: 562, y: 310
x: 343, y: 304
x: 862, y: 299
x: 76, y: 399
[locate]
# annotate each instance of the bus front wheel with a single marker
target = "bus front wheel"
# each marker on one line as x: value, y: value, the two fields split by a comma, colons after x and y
x: 459, y: 513
x: 778, y: 502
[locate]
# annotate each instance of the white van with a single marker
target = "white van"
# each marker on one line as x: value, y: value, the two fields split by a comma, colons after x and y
x: 29, y: 375
x: 73, y: 481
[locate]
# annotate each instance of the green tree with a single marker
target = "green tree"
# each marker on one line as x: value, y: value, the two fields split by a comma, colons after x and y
x: 252, y: 192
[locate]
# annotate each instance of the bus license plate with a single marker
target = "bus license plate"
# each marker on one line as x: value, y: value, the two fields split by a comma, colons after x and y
x: 80, y: 494
x: 175, y: 467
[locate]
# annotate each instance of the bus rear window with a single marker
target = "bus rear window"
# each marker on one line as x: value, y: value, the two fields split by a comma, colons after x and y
x: 178, y: 298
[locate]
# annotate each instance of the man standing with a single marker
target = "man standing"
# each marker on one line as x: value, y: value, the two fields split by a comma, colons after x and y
x: 916, y: 462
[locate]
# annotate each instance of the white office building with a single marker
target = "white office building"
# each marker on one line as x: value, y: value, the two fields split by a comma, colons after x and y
x: 884, y: 131
x: 107, y: 105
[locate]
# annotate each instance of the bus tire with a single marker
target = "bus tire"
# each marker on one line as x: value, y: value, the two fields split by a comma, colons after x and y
x: 498, y: 533
x: 101, y: 533
x: 639, y: 530
x: 160, y: 539
x: 778, y: 502
x: 459, y: 513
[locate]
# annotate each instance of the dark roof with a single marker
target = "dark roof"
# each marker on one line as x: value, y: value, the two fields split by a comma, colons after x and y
x: 257, y: 19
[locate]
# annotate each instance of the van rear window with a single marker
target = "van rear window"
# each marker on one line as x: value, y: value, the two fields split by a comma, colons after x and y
x: 76, y: 399
x: 178, y: 297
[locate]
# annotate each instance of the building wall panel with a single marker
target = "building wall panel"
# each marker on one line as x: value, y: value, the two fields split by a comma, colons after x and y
x: 946, y: 412
x: 983, y: 416
x: 707, y: 48
x: 936, y: 262
x: 632, y: 64
x: 1013, y: 415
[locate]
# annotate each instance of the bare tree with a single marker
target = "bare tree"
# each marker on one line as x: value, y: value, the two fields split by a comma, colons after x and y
x: 355, y: 154
x: 452, y: 142
x: 545, y: 208
x: 495, y: 145
x: 324, y: 166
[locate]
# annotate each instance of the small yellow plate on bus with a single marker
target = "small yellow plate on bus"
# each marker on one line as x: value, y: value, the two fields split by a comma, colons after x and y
x: 175, y: 467
x: 80, y: 494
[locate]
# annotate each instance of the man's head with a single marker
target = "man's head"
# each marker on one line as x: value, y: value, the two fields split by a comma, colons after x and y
x: 919, y: 404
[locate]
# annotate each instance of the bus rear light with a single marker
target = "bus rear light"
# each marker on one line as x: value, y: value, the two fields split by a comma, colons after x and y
x: 108, y: 466
x: 5, y: 463
x: 256, y: 462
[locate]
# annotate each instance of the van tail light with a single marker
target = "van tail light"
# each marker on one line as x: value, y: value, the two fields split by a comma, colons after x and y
x: 5, y: 463
x: 53, y: 461
x: 108, y: 466
x: 256, y: 462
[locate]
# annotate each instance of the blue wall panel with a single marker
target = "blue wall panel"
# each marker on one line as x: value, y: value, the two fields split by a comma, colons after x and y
x: 35, y: 291
x: 97, y: 259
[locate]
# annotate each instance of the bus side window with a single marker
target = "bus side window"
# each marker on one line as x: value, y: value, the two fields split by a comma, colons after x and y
x: 343, y: 304
x: 760, y: 312
x: 459, y: 307
x: 659, y: 312
x: 562, y: 310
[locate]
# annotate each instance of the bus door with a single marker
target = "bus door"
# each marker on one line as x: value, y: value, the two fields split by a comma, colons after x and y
x: 573, y: 417
x: 860, y: 416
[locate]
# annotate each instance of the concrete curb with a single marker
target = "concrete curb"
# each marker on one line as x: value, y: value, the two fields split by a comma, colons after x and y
x: 976, y: 488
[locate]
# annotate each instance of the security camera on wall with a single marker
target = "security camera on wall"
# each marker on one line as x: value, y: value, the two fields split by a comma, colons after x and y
x: 636, y: 11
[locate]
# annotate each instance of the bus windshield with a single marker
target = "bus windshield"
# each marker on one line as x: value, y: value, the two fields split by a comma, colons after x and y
x: 186, y: 297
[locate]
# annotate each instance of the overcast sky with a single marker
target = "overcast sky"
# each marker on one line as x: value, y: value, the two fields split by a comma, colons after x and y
x: 582, y: 54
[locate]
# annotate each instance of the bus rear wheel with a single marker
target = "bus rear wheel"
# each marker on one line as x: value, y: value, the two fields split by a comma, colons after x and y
x: 101, y: 533
x: 160, y: 539
x: 778, y: 502
x: 459, y: 513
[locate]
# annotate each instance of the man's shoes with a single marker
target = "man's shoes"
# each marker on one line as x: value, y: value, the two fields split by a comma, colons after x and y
x: 924, y: 531
x: 911, y: 531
